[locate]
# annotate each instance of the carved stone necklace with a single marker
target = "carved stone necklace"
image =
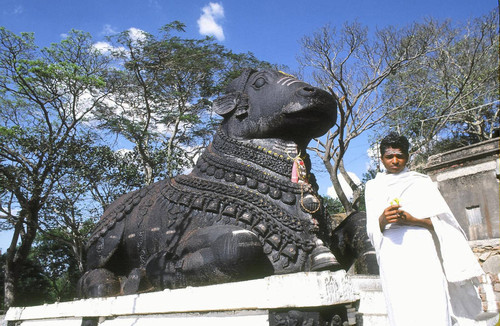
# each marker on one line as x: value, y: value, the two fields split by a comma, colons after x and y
x: 227, y: 159
x: 259, y: 155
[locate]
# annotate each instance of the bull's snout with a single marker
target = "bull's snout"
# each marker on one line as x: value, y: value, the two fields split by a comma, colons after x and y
x: 315, y: 107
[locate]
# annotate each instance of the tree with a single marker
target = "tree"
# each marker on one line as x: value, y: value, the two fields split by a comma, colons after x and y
x: 107, y: 174
x: 334, y: 210
x: 162, y: 96
x: 33, y: 286
x: 58, y: 266
x: 96, y: 177
x: 46, y: 96
x: 49, y: 274
x: 450, y: 98
x: 354, y: 66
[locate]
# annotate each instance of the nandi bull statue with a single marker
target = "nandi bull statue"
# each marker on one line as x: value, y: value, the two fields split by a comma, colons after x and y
x: 248, y: 209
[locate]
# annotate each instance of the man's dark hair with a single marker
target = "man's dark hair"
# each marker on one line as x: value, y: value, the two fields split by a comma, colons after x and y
x: 395, y: 140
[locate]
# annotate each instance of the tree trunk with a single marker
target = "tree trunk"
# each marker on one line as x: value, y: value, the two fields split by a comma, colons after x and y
x: 10, y: 278
x: 79, y: 252
x: 353, y: 206
x: 17, y: 255
x: 332, y: 171
x: 10, y: 281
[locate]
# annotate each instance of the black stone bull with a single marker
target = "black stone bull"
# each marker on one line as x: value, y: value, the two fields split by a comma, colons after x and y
x: 248, y: 209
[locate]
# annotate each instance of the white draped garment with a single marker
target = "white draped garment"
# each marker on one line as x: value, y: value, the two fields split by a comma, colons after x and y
x: 427, y: 276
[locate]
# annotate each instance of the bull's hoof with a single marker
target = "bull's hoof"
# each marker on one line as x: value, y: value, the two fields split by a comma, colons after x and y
x: 136, y: 282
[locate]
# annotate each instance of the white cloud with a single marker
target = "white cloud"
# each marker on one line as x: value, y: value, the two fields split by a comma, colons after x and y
x: 123, y: 152
x: 108, y: 30
x: 136, y: 34
x: 103, y: 47
x: 18, y: 10
x: 347, y: 190
x: 207, y: 23
x: 154, y: 4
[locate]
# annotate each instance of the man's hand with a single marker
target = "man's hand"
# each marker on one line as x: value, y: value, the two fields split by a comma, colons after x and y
x: 393, y: 214
x: 408, y: 219
x: 390, y: 215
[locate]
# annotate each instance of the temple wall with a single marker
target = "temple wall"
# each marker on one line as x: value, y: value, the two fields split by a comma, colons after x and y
x: 468, y: 179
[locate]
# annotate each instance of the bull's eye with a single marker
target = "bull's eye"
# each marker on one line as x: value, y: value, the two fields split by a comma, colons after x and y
x: 259, y: 82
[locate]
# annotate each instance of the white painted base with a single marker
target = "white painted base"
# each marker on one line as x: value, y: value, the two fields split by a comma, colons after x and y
x: 239, y: 303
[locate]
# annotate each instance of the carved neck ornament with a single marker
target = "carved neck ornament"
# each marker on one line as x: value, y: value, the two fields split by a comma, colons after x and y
x: 291, y: 178
x: 255, y: 153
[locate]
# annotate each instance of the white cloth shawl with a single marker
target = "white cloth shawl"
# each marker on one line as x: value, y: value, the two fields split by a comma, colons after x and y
x: 419, y: 196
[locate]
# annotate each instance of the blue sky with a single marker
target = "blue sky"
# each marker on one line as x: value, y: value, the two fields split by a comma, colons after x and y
x: 271, y: 29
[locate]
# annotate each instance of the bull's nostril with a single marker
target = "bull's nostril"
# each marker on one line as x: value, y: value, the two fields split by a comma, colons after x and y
x: 307, y: 91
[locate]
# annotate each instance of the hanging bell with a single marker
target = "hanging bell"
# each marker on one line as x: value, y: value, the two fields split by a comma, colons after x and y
x: 310, y: 203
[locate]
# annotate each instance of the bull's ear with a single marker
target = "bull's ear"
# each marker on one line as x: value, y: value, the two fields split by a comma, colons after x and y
x: 241, y: 112
x: 242, y: 107
x: 225, y: 104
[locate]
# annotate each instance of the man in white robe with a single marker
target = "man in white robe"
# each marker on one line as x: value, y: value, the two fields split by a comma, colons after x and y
x: 427, y: 269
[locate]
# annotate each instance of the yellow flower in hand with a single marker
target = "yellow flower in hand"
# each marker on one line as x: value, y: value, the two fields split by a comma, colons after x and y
x: 395, y: 201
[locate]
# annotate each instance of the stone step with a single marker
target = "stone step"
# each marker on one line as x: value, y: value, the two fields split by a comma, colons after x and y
x: 371, y: 309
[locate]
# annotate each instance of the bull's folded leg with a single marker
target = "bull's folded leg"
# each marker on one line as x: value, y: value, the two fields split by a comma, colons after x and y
x: 231, y: 256
x: 164, y: 271
x: 241, y: 255
x: 98, y: 283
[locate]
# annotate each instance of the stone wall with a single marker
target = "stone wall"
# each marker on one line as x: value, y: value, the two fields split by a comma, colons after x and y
x: 488, y: 255
x: 468, y: 179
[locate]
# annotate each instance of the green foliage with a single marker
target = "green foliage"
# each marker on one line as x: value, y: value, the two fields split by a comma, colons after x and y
x: 49, y: 274
x: 332, y: 206
x: 47, y: 95
x: 162, y: 96
x: 58, y: 265
x: 57, y: 174
x: 449, y: 95
x: 32, y: 287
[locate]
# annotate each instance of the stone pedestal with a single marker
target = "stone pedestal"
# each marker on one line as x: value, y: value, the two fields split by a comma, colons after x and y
x: 313, y: 298
x: 371, y: 310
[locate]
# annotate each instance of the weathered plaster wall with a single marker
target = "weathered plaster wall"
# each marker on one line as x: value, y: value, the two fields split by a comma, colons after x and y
x: 469, y: 192
x: 468, y: 178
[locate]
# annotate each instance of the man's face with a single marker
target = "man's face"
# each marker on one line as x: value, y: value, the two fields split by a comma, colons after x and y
x: 394, y: 160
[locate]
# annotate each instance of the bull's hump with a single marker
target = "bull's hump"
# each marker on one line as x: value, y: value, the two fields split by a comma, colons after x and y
x: 119, y: 210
